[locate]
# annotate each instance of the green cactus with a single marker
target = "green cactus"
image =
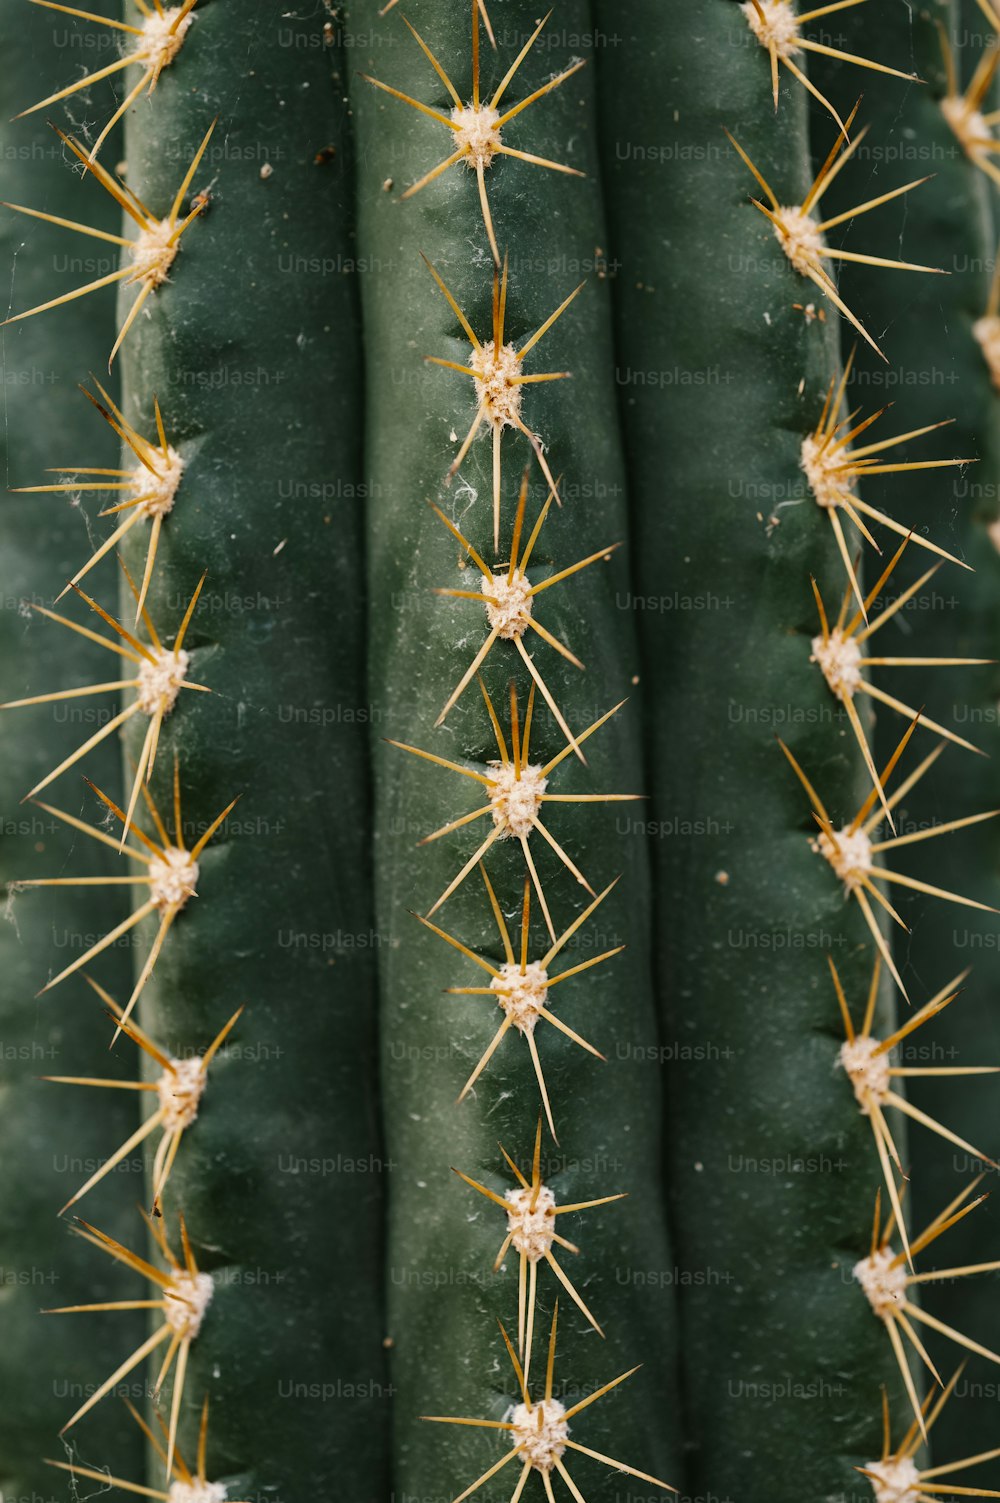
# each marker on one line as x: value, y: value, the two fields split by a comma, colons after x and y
x: 945, y: 375
x: 769, y: 1167
x: 442, y: 1237
x: 449, y: 530
x: 51, y: 1135
x: 253, y: 352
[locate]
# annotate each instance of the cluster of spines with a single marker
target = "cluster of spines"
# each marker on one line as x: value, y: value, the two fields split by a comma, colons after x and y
x: 179, y: 1290
x: 516, y: 789
x: 833, y: 463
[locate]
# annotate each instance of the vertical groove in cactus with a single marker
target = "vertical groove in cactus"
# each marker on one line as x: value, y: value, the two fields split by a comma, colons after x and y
x: 944, y: 375
x: 771, y: 1172
x: 252, y: 350
x: 53, y: 1135
x: 443, y: 1237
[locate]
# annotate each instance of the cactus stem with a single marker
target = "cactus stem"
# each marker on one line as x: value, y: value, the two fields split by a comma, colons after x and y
x: 895, y: 1477
x: 476, y: 126
x: 832, y: 469
x: 531, y: 1210
x: 839, y: 655
x: 158, y: 42
x: 152, y: 252
x: 151, y: 488
x: 495, y: 367
x: 515, y: 793
x: 171, y: 876
x: 885, y: 1281
x: 963, y: 110
x: 161, y: 675
x: 865, y: 1060
x: 801, y: 235
x: 776, y: 27
x: 185, y: 1487
x: 179, y: 1089
x: 521, y: 988
x: 850, y: 850
x: 539, y: 1430
x: 508, y: 597
x: 186, y: 1295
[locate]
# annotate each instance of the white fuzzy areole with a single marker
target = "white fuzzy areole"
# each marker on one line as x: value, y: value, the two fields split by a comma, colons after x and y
x: 868, y: 1072
x: 531, y: 1231
x: 173, y: 878
x: 180, y: 1089
x: 476, y: 133
x: 851, y: 858
x: 153, y: 254
x: 821, y: 470
x: 526, y: 993
x: 160, y: 42
x: 160, y: 490
x: 497, y: 391
x: 187, y: 1297
x: 515, y: 802
x: 799, y: 237
x: 160, y: 680
x: 895, y: 1481
x: 839, y: 658
x: 196, y: 1491
x: 777, y: 27
x: 508, y: 608
x: 970, y: 126
x: 883, y: 1282
x: 987, y: 333
x: 541, y: 1431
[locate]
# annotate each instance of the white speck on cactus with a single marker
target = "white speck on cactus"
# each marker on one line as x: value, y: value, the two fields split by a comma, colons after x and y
x: 196, y: 1491
x: 173, y: 877
x: 161, y: 680
x: 515, y: 798
x: 883, y: 1280
x: 895, y: 1480
x: 851, y: 857
x: 970, y: 126
x: 186, y: 1298
x: 497, y: 370
x: 822, y: 463
x: 774, y: 24
x: 867, y: 1071
x: 158, y: 490
x: 524, y: 993
x: 839, y: 658
x: 477, y: 135
x: 531, y: 1220
x: 541, y: 1431
x: 800, y: 238
x: 508, y: 604
x: 180, y: 1089
x: 162, y: 38
x: 153, y: 253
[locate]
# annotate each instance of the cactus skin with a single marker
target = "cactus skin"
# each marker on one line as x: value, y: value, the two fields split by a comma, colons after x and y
x: 953, y: 222
x: 443, y: 1298
x: 715, y: 291
x: 40, y: 541
x: 256, y: 366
